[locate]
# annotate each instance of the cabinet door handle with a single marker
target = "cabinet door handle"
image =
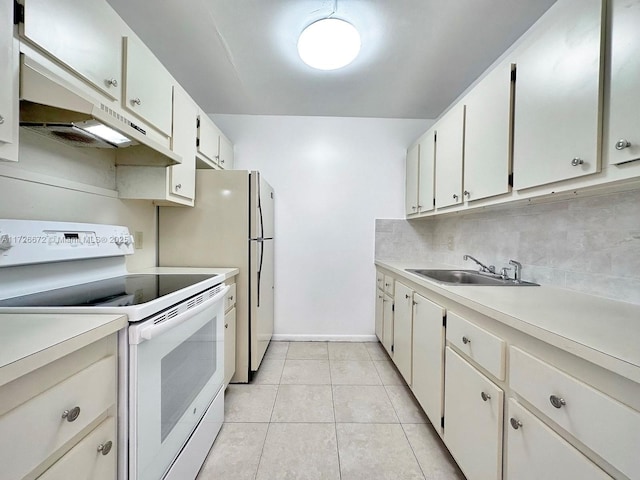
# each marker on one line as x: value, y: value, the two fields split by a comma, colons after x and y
x: 466, y: 340
x: 515, y: 423
x: 577, y: 161
x: 112, y: 82
x: 1, y: 119
x: 456, y: 196
x: 178, y: 186
x: 71, y: 415
x: 556, y: 401
x: 105, y: 448
x: 622, y: 144
x: 485, y: 396
x: 407, y: 296
x: 136, y: 101
x: 466, y: 193
x: 226, y: 325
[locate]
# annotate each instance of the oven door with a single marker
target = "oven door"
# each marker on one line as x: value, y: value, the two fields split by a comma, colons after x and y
x: 176, y: 369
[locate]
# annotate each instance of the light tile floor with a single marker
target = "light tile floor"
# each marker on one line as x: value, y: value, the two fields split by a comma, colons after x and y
x: 326, y: 411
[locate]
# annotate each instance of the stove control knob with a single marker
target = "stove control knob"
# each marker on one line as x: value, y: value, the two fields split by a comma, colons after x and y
x: 5, y: 242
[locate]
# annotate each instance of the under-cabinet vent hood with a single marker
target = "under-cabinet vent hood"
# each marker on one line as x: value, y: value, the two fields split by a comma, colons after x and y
x: 49, y: 106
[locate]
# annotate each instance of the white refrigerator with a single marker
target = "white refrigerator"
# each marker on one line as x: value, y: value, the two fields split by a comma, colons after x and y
x: 231, y: 225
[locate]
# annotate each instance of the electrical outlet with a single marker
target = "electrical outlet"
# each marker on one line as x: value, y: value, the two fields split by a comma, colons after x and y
x: 450, y: 245
x: 137, y: 238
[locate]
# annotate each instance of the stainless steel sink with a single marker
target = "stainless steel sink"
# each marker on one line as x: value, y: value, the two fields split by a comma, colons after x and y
x: 468, y: 277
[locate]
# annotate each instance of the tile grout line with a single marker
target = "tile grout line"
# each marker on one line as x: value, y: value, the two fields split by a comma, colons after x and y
x: 335, y: 421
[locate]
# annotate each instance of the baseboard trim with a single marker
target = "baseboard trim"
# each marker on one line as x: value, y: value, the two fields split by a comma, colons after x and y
x: 324, y: 338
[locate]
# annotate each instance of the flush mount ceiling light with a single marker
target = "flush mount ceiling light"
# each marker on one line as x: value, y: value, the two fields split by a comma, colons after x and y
x: 329, y: 44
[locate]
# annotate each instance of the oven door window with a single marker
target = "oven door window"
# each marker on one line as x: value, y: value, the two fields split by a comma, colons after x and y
x: 178, y: 374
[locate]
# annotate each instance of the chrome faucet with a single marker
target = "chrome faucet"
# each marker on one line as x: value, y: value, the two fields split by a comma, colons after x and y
x: 483, y: 267
x: 517, y: 275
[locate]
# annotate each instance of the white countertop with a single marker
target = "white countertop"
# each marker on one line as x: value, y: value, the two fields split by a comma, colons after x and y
x: 227, y: 272
x: 29, y: 341
x: 606, y: 332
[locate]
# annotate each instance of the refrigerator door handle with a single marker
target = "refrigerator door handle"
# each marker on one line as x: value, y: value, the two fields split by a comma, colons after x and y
x: 260, y: 270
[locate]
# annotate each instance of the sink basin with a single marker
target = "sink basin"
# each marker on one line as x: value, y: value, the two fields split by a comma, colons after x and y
x: 467, y: 277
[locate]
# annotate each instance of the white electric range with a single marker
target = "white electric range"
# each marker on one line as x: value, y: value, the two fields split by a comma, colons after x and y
x: 171, y: 403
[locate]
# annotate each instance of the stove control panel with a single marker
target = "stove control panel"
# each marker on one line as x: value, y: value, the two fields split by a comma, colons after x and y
x: 25, y: 242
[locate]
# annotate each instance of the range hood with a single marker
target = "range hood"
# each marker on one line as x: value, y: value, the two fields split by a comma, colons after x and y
x: 50, y: 106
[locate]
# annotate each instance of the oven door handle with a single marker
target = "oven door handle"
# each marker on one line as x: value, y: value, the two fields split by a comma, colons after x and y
x: 152, y: 330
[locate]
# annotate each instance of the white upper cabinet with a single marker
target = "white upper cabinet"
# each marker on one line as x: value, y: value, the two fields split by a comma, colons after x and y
x: 208, y: 138
x: 411, y: 180
x: 225, y: 159
x: 558, y: 95
x: 420, y: 175
x: 449, y: 157
x: 85, y: 35
x: 487, y: 135
x: 623, y: 139
x: 183, y: 142
x: 9, y: 109
x: 148, y: 86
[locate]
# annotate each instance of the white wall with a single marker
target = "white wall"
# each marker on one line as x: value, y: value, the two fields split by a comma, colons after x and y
x: 333, y: 177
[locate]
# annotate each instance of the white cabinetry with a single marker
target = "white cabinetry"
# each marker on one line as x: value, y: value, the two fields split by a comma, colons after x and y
x: 592, y: 417
x: 558, y: 95
x: 56, y: 417
x: 9, y: 109
x: 387, y: 327
x: 402, y: 329
x: 183, y: 142
x: 623, y: 136
x: 420, y: 175
x: 487, y: 135
x: 148, y: 86
x: 473, y: 419
x: 214, y: 149
x: 428, y: 357
x: 85, y: 35
x: 535, y: 452
x: 229, y: 345
x: 449, y: 157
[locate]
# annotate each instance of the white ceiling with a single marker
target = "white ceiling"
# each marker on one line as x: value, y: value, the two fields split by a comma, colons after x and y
x: 240, y: 57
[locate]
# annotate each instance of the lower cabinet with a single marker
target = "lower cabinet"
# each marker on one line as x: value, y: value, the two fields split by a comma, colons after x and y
x: 59, y: 421
x: 379, y: 314
x: 93, y: 458
x: 403, y: 329
x: 229, y: 345
x: 428, y: 357
x: 535, y: 452
x: 387, y: 323
x: 473, y: 412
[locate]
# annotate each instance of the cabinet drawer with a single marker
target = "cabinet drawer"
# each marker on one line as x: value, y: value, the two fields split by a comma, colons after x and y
x: 33, y: 431
x: 478, y: 344
x: 389, y: 285
x: 535, y: 452
x: 230, y: 299
x: 85, y: 461
x: 380, y: 280
x: 606, y: 426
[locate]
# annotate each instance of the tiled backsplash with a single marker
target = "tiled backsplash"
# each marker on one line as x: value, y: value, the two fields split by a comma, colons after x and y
x: 589, y: 244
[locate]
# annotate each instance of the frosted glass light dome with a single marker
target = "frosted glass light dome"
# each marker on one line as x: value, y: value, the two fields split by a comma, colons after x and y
x: 329, y: 44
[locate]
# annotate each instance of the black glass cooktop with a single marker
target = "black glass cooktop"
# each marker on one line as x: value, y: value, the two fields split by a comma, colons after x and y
x: 116, y: 291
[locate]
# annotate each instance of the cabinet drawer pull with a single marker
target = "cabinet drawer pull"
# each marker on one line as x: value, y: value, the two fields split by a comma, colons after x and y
x: 485, y: 396
x: 112, y: 82
x: 577, y: 161
x: 71, y: 415
x: 231, y: 298
x: 136, y: 101
x: 1, y: 119
x: 466, y: 340
x: 557, y: 401
x: 622, y: 144
x: 105, y: 448
x: 407, y: 295
x: 515, y: 423
x: 456, y: 196
x: 226, y: 325
x: 466, y: 193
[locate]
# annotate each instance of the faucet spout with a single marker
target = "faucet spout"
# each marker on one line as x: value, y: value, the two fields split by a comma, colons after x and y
x: 517, y: 276
x: 483, y: 267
